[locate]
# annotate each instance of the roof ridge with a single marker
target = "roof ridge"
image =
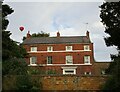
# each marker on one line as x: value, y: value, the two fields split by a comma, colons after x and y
x: 56, y: 37
x: 52, y: 40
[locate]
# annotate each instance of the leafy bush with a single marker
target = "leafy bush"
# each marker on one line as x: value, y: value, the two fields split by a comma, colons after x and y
x: 28, y: 83
x: 23, y: 82
x: 51, y: 72
x: 14, y: 66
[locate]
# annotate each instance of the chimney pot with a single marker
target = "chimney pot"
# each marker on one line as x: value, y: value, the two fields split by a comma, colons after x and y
x: 28, y: 34
x: 87, y: 34
x: 58, y: 34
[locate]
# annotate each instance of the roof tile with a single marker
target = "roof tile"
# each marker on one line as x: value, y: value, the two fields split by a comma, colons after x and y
x: 56, y: 40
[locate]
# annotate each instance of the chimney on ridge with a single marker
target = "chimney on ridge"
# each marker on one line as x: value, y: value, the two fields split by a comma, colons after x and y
x: 58, y: 34
x: 28, y: 34
x: 87, y: 34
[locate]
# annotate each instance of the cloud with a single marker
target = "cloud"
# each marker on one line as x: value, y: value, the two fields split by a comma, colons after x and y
x: 97, y: 24
x: 69, y: 18
x: 54, y: 1
x: 67, y: 31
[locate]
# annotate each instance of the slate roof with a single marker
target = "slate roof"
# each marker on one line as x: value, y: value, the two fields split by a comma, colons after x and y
x: 57, y: 40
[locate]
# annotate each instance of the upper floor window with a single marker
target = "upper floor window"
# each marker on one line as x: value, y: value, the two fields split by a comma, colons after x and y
x: 69, y: 59
x: 33, y: 60
x: 49, y: 60
x: 86, y: 47
x: 87, y: 59
x: 33, y: 49
x: 68, y: 48
x: 49, y: 48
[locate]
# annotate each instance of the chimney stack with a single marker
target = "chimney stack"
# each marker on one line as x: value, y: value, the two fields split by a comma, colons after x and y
x: 28, y: 34
x: 58, y: 34
x: 87, y: 34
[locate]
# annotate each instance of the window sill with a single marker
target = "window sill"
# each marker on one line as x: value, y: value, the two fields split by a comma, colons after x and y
x: 49, y: 51
x: 70, y: 64
x: 49, y: 64
x: 87, y: 50
x: 33, y: 51
x: 87, y: 63
x: 68, y: 50
x: 32, y: 65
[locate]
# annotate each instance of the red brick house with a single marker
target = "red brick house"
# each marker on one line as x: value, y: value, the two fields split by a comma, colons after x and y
x: 63, y: 54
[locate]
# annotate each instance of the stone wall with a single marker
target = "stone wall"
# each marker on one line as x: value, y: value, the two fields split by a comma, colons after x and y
x: 68, y: 82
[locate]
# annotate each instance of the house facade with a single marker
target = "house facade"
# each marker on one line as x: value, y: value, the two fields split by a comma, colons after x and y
x: 62, y: 54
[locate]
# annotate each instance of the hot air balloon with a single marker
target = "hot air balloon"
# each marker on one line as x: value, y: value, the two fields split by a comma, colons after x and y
x: 21, y: 28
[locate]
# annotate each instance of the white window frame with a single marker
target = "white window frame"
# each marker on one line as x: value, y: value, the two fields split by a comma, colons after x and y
x: 33, y: 49
x: 69, y: 69
x: 86, y: 59
x: 86, y: 47
x: 48, y: 60
x: 31, y: 62
x: 65, y: 71
x: 87, y: 72
x: 67, y: 48
x: 69, y: 59
x: 50, y: 48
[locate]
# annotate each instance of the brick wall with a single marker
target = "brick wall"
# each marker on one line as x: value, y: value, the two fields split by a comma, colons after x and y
x: 68, y: 82
x: 72, y: 83
x: 59, y: 58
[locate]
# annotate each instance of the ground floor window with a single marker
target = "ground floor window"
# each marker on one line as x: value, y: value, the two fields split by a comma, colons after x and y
x: 69, y: 70
x: 87, y: 73
x: 103, y: 72
x: 33, y: 60
x: 49, y: 60
x: 86, y: 59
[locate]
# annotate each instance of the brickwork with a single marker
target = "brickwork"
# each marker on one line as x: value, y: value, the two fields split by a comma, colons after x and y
x: 100, y: 66
x: 73, y: 83
x: 59, y: 57
x: 68, y: 82
x: 77, y: 55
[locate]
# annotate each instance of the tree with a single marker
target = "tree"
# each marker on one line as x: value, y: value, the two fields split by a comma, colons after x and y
x: 6, y: 10
x: 10, y: 49
x: 23, y: 83
x: 12, y: 54
x: 41, y: 34
x: 14, y: 66
x: 110, y: 15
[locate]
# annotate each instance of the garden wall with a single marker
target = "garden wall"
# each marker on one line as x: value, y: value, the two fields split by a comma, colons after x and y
x: 67, y: 82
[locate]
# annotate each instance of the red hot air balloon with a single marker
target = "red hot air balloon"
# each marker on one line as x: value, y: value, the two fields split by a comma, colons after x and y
x: 21, y: 28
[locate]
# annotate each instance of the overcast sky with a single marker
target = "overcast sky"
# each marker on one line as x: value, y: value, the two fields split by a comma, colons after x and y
x: 69, y: 18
